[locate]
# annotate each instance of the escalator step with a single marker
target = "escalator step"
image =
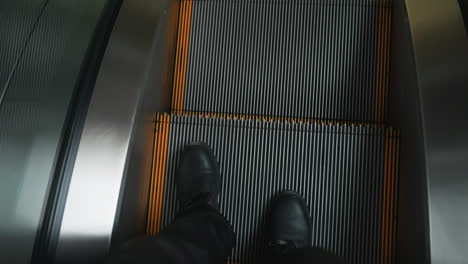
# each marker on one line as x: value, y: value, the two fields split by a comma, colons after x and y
x: 324, y: 59
x: 346, y: 172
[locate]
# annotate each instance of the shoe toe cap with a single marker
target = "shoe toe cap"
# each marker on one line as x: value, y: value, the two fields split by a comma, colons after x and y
x: 289, y: 219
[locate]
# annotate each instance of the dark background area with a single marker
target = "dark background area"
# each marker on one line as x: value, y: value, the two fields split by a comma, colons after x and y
x: 464, y: 9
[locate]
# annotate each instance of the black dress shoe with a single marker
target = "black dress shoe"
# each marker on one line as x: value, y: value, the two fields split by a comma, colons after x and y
x: 289, y: 224
x: 198, y: 178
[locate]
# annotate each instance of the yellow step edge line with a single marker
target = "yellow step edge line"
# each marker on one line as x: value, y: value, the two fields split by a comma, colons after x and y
x: 275, y: 119
x: 182, y: 51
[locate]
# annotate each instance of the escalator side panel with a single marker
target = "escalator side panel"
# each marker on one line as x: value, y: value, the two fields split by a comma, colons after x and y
x: 43, y: 46
x: 17, y: 21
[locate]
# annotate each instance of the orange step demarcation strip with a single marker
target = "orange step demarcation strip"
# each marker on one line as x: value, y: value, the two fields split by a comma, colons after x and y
x: 382, y: 62
x: 182, y: 51
x: 389, y: 202
x: 162, y: 127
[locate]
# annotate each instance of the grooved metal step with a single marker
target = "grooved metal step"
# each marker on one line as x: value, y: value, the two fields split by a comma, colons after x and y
x: 346, y: 172
x: 323, y: 59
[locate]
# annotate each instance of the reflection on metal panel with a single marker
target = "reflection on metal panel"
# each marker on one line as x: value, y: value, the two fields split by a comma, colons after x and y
x: 133, y: 206
x: 34, y: 108
x: 404, y: 113
x: 441, y: 55
x: 101, y: 160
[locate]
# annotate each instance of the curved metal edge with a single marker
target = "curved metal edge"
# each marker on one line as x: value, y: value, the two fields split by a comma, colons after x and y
x: 101, y: 163
x: 440, y: 48
x: 47, y: 237
x: 412, y: 241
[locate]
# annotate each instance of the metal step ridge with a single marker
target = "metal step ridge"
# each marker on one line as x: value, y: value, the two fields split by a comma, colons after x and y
x: 346, y: 172
x: 312, y: 59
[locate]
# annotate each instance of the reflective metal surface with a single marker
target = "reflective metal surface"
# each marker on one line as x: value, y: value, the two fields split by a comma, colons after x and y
x: 102, y: 158
x: 404, y: 112
x: 42, y: 48
x: 132, y: 213
x: 441, y: 55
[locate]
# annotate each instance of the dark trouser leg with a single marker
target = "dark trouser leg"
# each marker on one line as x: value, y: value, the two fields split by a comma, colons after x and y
x: 302, y: 256
x: 198, y: 236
